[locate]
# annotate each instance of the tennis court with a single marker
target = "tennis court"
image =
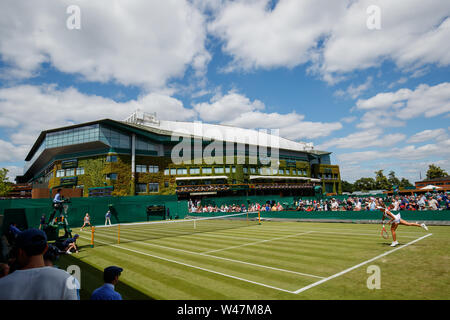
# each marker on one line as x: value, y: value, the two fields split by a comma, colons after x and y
x: 271, y: 260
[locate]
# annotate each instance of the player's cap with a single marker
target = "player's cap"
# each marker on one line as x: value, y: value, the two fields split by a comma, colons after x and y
x: 31, y: 238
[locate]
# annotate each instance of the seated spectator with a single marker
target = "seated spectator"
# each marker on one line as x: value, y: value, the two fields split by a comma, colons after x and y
x: 434, y: 205
x: 33, y: 280
x: 358, y: 205
x: 111, y: 278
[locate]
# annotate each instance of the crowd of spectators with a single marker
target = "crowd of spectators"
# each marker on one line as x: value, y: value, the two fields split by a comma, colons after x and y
x: 412, y: 203
x: 436, y: 201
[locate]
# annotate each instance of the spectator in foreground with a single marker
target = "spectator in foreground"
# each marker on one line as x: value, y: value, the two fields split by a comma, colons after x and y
x: 33, y: 280
x: 111, y: 278
x: 4, y: 270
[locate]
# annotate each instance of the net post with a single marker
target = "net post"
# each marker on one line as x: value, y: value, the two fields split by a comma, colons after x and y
x: 118, y: 234
x: 259, y: 217
x: 92, y: 236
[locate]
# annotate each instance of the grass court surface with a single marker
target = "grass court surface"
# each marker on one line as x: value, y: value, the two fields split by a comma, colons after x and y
x: 274, y: 260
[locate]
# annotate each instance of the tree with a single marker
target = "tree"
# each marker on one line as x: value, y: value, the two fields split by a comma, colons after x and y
x: 393, y: 180
x: 364, y: 184
x: 5, y: 184
x: 347, y: 186
x: 381, y: 182
x: 435, y: 172
x: 404, y: 183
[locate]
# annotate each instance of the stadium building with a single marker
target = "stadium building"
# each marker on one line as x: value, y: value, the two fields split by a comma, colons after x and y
x: 137, y: 157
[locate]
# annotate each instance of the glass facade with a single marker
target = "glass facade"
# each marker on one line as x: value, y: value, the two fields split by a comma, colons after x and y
x: 114, y: 138
x: 143, y: 145
x: 72, y: 136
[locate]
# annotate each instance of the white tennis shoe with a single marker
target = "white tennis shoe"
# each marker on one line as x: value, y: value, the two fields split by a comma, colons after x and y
x: 424, y: 226
x: 394, y: 243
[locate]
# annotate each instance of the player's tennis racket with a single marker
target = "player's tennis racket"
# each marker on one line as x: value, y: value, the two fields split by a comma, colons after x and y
x: 384, y: 232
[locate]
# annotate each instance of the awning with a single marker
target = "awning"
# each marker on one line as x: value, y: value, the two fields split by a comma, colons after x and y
x: 200, y: 178
x: 284, y: 177
x: 202, y: 193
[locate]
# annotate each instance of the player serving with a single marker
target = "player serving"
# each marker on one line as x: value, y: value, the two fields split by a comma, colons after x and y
x: 395, y: 220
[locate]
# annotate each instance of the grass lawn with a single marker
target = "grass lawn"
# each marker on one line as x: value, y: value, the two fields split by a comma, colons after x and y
x: 274, y: 260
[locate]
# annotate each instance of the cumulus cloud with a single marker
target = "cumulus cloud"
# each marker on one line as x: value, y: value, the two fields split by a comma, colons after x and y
x: 143, y: 43
x: 439, y: 150
x: 238, y: 110
x: 393, y: 109
x: 332, y: 36
x: 364, y: 139
x: 26, y: 110
x: 426, y: 135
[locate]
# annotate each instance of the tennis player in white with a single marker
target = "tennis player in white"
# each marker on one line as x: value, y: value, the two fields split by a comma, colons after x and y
x: 395, y: 220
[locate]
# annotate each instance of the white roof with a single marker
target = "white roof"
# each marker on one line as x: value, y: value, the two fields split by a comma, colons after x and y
x: 265, y: 138
x: 283, y: 177
x: 430, y: 187
x: 201, y: 178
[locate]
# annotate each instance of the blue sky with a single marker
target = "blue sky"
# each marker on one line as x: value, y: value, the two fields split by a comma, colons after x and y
x: 377, y: 98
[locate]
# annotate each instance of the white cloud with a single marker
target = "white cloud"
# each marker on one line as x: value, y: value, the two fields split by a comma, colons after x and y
x: 428, y: 135
x: 355, y: 91
x: 144, y: 43
x: 439, y: 150
x: 13, y: 172
x: 377, y: 118
x: 30, y: 109
x: 425, y: 100
x: 258, y: 37
x: 228, y: 107
x: 238, y: 110
x: 349, y: 119
x: 333, y: 35
x: 364, y: 139
x: 12, y: 152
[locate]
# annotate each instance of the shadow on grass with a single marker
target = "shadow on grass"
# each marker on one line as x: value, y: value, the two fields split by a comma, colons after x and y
x: 92, y: 278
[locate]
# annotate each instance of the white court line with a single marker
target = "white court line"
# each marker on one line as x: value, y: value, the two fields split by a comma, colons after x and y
x: 273, y: 228
x: 200, y: 268
x: 233, y: 260
x: 226, y: 259
x: 357, y: 266
x: 256, y: 242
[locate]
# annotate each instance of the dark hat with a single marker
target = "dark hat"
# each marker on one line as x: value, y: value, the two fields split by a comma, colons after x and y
x: 31, y: 237
x: 110, y: 273
x: 32, y: 241
x: 113, y: 271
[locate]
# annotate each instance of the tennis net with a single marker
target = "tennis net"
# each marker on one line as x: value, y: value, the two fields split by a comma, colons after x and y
x: 141, y: 231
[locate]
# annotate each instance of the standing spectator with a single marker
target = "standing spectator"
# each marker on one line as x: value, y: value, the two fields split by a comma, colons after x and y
x: 42, y: 222
x: 33, y: 280
x: 111, y: 278
x: 108, y: 217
